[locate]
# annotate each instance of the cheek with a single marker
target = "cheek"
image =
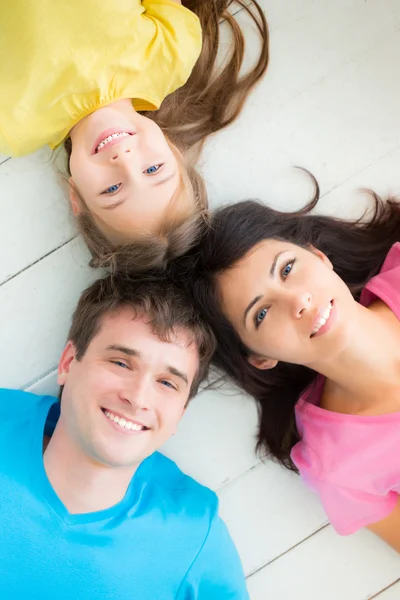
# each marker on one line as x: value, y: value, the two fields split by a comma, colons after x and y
x: 83, y: 172
x: 95, y: 380
x: 170, y: 415
x: 278, y: 341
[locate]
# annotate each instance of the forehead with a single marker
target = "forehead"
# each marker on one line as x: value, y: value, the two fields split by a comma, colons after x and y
x: 126, y: 327
x: 247, y: 269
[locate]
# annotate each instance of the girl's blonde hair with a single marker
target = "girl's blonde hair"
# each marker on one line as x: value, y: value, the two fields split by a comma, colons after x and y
x: 211, y: 99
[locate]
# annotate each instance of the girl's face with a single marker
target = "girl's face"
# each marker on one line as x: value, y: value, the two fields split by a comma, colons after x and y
x: 287, y: 304
x: 124, y: 169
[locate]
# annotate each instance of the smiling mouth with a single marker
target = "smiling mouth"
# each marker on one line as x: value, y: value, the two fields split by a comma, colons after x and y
x: 124, y: 423
x: 110, y: 138
x: 323, y: 319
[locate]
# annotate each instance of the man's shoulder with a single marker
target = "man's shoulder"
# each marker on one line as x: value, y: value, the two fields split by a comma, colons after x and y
x: 182, y: 488
x: 14, y: 400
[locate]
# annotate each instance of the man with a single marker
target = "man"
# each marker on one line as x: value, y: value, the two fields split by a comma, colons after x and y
x: 93, y: 511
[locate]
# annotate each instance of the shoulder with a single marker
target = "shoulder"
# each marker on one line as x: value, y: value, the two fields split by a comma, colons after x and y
x: 386, y: 285
x: 17, y: 399
x: 182, y: 488
x: 172, y: 9
x: 178, y: 28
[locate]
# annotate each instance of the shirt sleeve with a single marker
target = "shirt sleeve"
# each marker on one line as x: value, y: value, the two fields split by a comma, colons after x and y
x: 172, y: 50
x: 216, y: 573
x: 349, y: 509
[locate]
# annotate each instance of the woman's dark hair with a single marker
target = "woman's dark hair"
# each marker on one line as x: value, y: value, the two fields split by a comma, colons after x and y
x: 356, y: 249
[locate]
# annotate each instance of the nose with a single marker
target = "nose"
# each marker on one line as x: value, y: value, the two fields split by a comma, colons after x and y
x: 120, y: 154
x: 299, y: 302
x: 136, y: 393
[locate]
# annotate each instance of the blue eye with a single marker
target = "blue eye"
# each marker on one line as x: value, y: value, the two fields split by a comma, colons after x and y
x: 167, y: 384
x: 112, y: 189
x: 152, y: 170
x: 260, y: 316
x: 119, y: 364
x: 287, y: 269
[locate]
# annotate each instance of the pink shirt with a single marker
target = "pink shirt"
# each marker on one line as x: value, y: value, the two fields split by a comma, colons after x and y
x: 351, y: 461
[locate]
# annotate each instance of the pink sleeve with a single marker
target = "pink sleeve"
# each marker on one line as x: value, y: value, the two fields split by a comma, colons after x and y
x: 349, y: 509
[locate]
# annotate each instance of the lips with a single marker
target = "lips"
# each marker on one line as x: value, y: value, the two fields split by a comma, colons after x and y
x: 324, y: 320
x: 124, y: 422
x: 107, y: 133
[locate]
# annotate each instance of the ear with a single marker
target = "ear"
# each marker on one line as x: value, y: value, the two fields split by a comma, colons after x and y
x: 64, y: 365
x: 322, y: 256
x: 262, y: 363
x: 74, y: 197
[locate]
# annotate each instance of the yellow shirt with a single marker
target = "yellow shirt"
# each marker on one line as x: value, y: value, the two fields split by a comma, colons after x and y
x: 60, y: 60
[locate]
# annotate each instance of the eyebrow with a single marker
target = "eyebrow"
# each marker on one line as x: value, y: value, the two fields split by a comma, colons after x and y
x: 273, y: 266
x: 136, y: 353
x: 167, y: 178
x: 114, y: 205
x: 249, y: 307
x: 177, y: 373
x: 123, y: 349
x: 257, y: 298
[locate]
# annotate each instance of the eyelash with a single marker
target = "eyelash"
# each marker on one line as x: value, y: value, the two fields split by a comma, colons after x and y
x: 152, y: 167
x: 121, y: 364
x: 169, y: 384
x: 118, y: 185
x: 108, y: 193
x: 290, y: 264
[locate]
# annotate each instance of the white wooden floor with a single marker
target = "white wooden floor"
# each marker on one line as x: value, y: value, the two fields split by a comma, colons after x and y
x: 330, y: 103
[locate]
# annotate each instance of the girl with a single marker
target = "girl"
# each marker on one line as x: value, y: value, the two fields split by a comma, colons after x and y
x: 306, y: 310
x: 88, y: 74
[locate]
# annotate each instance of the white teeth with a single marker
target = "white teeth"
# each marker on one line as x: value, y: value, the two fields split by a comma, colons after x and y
x: 123, y: 422
x: 108, y: 139
x: 323, y: 319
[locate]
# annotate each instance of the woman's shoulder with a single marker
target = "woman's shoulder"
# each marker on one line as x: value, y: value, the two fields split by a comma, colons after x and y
x: 385, y: 285
x: 336, y: 447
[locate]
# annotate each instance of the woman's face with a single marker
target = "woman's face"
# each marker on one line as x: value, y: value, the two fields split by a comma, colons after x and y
x: 287, y: 304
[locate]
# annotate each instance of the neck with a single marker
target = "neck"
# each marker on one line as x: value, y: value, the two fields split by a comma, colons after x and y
x: 372, y: 354
x: 82, y: 484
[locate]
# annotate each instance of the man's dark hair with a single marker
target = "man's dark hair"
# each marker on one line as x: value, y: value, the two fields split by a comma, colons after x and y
x: 165, y: 305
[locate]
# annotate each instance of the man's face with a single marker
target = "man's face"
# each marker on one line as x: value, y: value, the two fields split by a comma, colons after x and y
x: 127, y: 394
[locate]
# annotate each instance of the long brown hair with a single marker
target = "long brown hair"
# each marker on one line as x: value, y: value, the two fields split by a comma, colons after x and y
x: 211, y: 99
x: 356, y: 249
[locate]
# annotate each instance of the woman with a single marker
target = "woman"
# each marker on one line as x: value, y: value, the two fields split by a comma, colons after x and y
x: 306, y: 311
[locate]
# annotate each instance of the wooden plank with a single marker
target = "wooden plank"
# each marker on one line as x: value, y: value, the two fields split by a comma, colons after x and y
x: 269, y: 510
x: 328, y: 567
x: 36, y: 308
x: 391, y: 593
x: 34, y: 213
x: 216, y: 439
x: 45, y: 386
x: 318, y: 109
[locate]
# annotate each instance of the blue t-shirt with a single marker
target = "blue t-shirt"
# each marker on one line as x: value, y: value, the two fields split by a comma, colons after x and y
x: 163, y: 541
